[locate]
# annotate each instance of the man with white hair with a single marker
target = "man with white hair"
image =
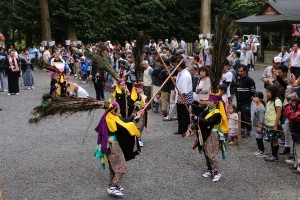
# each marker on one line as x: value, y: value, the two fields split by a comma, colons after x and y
x: 147, y: 79
x: 167, y: 44
x: 109, y: 44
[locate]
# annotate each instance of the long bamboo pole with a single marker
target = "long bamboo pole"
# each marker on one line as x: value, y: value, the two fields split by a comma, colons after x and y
x: 176, y: 87
x: 162, y: 85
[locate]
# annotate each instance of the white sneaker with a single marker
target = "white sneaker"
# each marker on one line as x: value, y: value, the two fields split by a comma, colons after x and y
x: 114, y: 191
x: 8, y: 94
x: 32, y: 87
x: 5, y: 90
x: 290, y: 161
x: 257, y: 152
x: 29, y: 88
x: 261, y: 155
x: 217, y: 177
x: 84, y: 82
x: 17, y: 93
x: 207, y: 174
x: 140, y: 142
x: 120, y: 187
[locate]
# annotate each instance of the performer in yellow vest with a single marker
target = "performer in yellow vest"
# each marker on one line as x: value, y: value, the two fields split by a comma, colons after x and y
x: 116, y: 144
x: 138, y: 101
x: 213, y: 124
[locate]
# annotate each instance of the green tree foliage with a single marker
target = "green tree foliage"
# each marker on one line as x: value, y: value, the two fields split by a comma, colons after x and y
x: 19, y: 17
x: 115, y: 20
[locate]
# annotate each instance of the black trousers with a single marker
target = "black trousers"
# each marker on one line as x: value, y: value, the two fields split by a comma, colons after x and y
x: 129, y: 86
x: 245, y: 110
x: 183, y: 118
x: 13, y: 82
x: 147, y: 92
x: 99, y: 92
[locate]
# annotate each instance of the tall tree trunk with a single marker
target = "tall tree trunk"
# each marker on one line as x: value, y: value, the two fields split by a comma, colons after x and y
x: 28, y: 38
x: 72, y: 34
x: 45, y: 21
x: 20, y: 37
x: 13, y: 41
x: 205, y: 17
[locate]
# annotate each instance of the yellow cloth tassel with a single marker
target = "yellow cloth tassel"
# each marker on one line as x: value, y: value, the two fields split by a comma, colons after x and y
x: 112, y: 121
x: 62, y: 79
x: 105, y: 158
x: 117, y: 90
x: 224, y: 124
x: 134, y: 94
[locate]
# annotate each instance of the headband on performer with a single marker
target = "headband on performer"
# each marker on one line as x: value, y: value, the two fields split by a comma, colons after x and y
x: 134, y: 94
x: 214, y: 97
x: 139, y: 85
x: 121, y: 81
x: 118, y: 89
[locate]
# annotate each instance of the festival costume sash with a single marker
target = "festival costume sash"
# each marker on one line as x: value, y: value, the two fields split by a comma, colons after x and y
x: 223, y: 126
x: 112, y: 121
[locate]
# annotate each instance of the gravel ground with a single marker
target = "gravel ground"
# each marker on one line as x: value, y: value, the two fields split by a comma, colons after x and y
x: 50, y: 161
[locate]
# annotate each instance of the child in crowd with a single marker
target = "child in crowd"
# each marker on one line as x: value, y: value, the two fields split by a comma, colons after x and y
x: 83, y: 67
x: 120, y: 95
x: 272, y: 124
x: 258, y: 121
x: 157, y: 103
x: 138, y: 101
x: 99, y: 83
x: 233, y: 123
x: 223, y: 94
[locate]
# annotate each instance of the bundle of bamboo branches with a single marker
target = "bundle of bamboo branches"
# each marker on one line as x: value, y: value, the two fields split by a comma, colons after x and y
x: 102, y: 63
x: 225, y: 28
x: 138, y: 51
x: 52, y: 105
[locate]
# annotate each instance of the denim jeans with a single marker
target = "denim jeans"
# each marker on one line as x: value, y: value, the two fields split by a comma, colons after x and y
x: 2, y: 84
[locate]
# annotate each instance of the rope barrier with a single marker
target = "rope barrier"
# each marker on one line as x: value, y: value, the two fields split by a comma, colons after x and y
x: 285, y: 132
